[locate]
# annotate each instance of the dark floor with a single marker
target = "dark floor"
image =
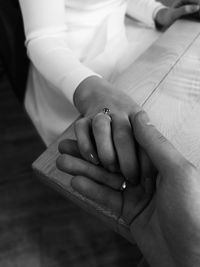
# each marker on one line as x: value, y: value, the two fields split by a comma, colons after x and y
x: 37, y: 226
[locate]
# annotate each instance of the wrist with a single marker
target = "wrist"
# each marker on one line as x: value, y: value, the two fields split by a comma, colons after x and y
x: 90, y: 92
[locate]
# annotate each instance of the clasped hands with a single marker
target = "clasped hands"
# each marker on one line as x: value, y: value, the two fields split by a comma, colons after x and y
x: 162, y: 200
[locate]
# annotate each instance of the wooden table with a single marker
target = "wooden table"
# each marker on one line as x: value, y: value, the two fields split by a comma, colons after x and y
x: 165, y: 80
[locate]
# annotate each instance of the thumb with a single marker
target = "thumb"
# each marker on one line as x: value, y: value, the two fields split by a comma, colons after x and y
x: 161, y: 152
x: 184, y: 10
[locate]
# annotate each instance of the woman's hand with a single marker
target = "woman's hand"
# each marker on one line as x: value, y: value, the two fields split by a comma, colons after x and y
x: 109, y: 135
x: 166, y: 16
x: 163, y: 212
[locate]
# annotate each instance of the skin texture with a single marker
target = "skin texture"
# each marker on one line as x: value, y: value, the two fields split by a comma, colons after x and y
x: 163, y: 209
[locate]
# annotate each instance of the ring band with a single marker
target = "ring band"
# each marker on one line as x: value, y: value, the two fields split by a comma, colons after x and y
x: 123, y: 186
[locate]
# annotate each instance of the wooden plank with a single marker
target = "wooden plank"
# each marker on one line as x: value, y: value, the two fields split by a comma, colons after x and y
x: 145, y: 74
x: 147, y: 81
x: 175, y: 107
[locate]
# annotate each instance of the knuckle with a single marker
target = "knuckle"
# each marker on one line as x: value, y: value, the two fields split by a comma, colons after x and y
x: 161, y: 139
x: 157, y: 138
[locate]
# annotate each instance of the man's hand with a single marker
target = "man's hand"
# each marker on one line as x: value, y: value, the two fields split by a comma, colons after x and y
x: 166, y: 16
x: 170, y: 225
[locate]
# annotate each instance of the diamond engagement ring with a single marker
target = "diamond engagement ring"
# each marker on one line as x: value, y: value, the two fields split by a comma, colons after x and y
x: 106, y: 111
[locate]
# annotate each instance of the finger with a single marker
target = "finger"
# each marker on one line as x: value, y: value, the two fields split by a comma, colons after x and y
x: 101, y: 125
x: 180, y: 3
x: 184, y: 10
x: 148, y: 172
x: 162, y: 153
x: 76, y: 166
x: 104, y: 196
x: 69, y: 147
x: 84, y: 139
x: 125, y: 147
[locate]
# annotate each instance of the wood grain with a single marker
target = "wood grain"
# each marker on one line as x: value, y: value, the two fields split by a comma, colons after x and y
x: 144, y: 76
x: 165, y: 80
x: 178, y: 103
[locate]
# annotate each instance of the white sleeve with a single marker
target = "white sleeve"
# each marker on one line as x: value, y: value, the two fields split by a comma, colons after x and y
x: 46, y: 32
x: 144, y: 10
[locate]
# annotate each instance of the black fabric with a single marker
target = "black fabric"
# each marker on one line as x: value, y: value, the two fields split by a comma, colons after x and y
x: 12, y: 49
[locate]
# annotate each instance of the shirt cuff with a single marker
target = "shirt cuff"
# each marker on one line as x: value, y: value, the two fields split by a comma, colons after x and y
x: 69, y: 84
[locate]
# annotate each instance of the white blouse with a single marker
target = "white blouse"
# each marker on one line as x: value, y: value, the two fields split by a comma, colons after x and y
x: 68, y: 41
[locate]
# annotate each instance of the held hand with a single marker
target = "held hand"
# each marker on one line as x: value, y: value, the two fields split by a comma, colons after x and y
x: 171, y: 221
x: 108, y: 134
x: 166, y: 16
x: 164, y: 212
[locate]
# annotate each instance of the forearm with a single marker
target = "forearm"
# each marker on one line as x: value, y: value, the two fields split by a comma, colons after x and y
x: 47, y: 45
x: 57, y: 64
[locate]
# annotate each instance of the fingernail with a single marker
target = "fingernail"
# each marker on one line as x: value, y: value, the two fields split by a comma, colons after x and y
x: 94, y: 159
x: 144, y: 118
